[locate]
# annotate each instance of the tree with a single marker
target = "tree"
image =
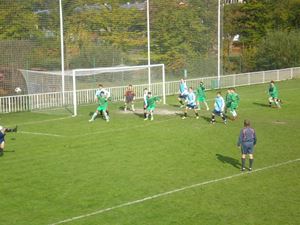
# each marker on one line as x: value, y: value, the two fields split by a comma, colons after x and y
x: 17, y: 21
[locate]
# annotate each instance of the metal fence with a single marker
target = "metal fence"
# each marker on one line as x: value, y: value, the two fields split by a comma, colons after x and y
x: 31, y: 102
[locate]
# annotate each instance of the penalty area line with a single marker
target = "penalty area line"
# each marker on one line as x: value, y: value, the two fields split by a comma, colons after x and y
x: 172, y: 192
x: 40, y: 134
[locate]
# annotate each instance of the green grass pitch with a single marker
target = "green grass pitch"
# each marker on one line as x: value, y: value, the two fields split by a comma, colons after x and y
x: 57, y: 167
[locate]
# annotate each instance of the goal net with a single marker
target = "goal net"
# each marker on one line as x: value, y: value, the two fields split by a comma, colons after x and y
x: 79, y: 85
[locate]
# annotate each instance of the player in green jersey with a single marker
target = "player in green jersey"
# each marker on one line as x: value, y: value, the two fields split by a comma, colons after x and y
x: 273, y: 95
x: 201, y: 96
x: 102, y: 108
x: 234, y: 102
x: 151, y: 105
x: 227, y: 100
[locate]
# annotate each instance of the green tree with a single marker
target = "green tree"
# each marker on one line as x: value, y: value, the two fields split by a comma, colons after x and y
x: 18, y: 21
x: 278, y: 49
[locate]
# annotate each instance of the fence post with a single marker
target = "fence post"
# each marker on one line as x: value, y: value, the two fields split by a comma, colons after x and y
x: 234, y: 82
x: 278, y: 75
x: 249, y: 79
x: 9, y: 105
x: 292, y: 73
x: 264, y: 76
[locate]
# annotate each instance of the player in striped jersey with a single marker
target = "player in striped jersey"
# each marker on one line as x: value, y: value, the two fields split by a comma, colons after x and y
x: 183, y: 91
x: 219, y: 108
x: 191, y: 103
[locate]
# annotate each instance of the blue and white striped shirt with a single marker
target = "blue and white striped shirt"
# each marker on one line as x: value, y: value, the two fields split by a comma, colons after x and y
x: 219, y: 104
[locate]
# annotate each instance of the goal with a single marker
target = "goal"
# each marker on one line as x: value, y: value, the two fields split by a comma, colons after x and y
x: 116, y: 79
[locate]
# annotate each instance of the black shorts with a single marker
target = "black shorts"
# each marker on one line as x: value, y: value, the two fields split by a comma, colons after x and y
x: 129, y: 99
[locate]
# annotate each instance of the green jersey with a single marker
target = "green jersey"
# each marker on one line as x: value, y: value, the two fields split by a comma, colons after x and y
x: 273, y: 91
x: 235, y: 99
x: 201, y: 91
x: 228, y: 100
x: 102, y: 101
x: 151, y: 102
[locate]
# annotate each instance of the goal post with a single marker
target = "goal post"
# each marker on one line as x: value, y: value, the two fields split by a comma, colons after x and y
x: 115, y: 79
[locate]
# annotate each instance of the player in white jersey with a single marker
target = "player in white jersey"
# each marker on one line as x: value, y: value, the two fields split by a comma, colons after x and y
x: 191, y: 103
x: 145, y: 102
x: 101, y: 89
x: 219, y: 108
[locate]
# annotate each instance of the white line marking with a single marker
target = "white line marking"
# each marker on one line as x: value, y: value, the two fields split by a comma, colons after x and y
x: 172, y: 192
x: 41, y: 134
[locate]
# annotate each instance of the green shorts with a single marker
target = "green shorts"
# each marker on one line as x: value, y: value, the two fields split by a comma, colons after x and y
x: 150, y: 108
x: 202, y: 99
x: 102, y: 108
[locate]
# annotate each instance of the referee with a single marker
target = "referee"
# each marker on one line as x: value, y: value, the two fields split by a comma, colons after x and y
x: 247, y: 140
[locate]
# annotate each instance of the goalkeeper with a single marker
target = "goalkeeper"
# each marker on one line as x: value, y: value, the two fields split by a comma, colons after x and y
x: 3, y: 131
x: 151, y: 105
x: 102, y: 108
x: 129, y: 96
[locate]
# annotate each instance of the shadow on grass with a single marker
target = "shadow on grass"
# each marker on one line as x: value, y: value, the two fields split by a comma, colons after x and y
x: 9, y: 151
x: 140, y: 115
x: 208, y: 119
x: 261, y: 104
x: 175, y: 106
x: 226, y: 159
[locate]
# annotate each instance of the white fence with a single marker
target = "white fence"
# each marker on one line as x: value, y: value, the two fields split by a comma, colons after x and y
x: 55, y: 100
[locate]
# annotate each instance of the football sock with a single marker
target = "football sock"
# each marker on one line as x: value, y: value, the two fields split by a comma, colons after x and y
x: 181, y: 102
x: 250, y: 163
x: 185, y: 114
x: 9, y: 130
x: 105, y: 115
x: 107, y: 112
x: 132, y: 107
x: 145, y: 115
x: 1, y: 151
x: 243, y: 163
x: 197, y: 114
x: 213, y: 118
x: 94, y: 116
x: 207, y: 108
x: 223, y: 117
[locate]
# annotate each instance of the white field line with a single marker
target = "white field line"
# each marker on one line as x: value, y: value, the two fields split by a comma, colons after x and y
x: 41, y: 134
x: 172, y: 192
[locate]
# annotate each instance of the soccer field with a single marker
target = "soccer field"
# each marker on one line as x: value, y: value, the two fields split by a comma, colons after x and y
x: 63, y: 170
